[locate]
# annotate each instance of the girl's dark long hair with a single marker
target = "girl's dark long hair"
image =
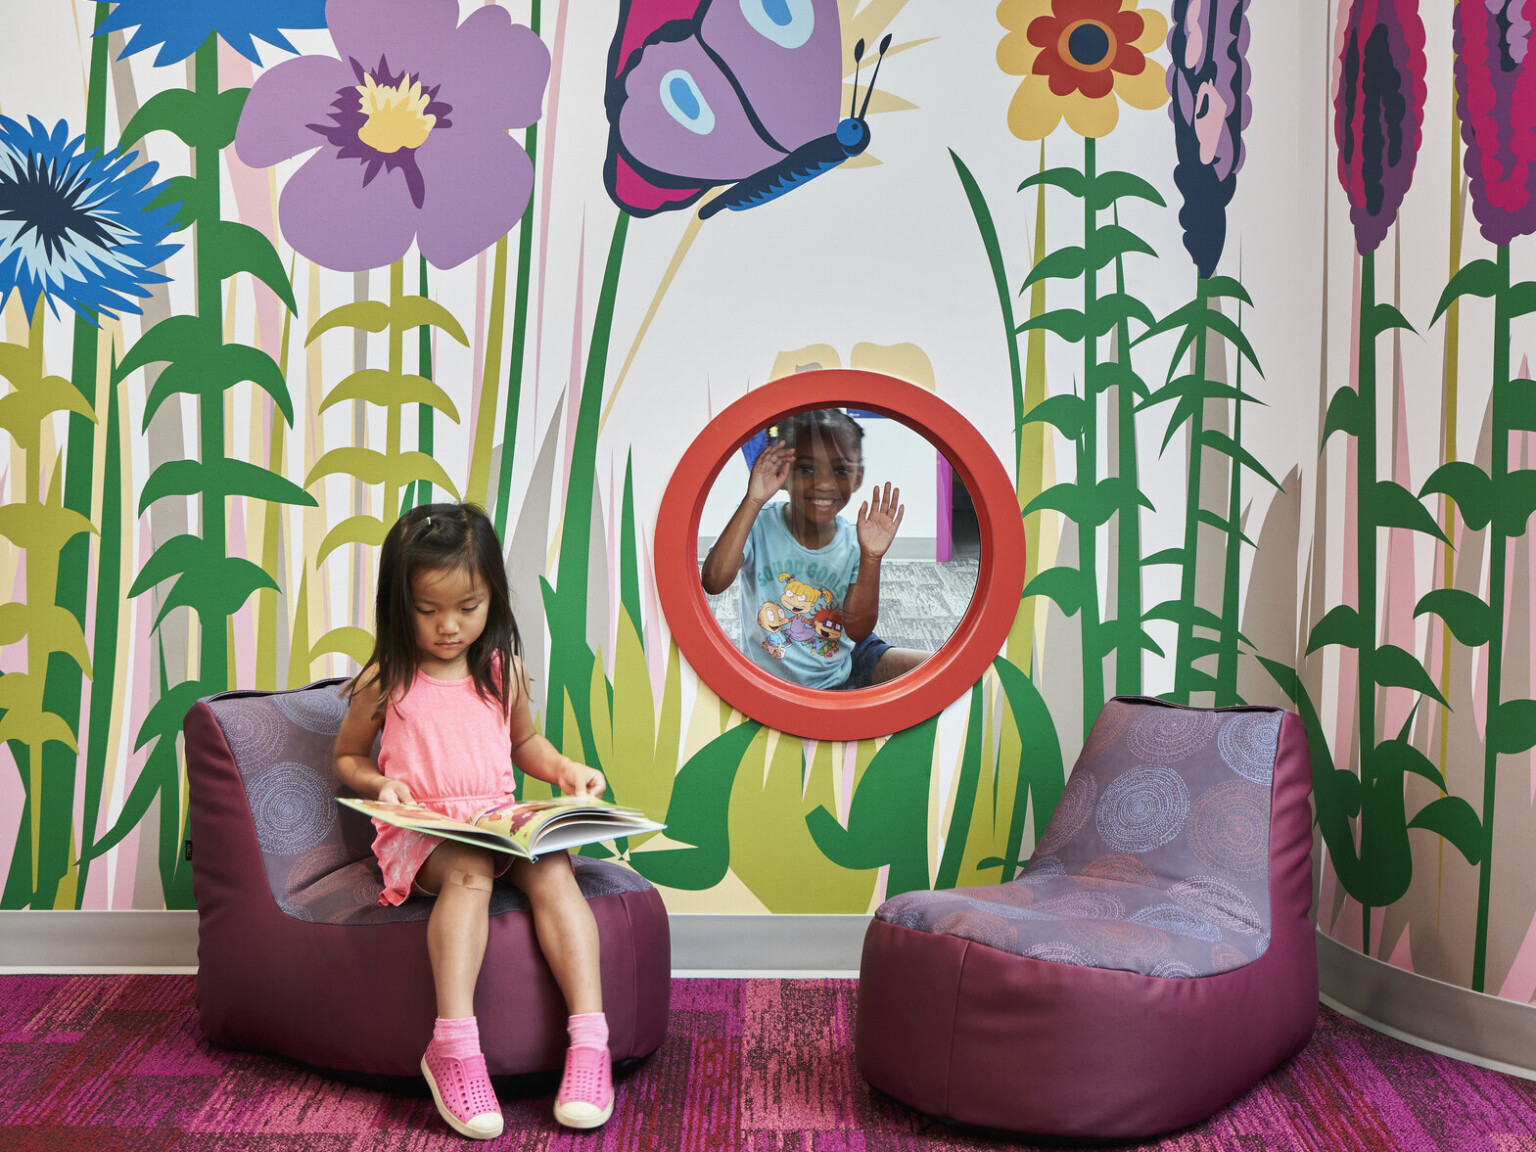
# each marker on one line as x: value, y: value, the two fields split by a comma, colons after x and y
x: 434, y: 537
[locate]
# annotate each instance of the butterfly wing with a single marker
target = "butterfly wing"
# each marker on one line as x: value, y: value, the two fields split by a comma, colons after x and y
x: 785, y: 57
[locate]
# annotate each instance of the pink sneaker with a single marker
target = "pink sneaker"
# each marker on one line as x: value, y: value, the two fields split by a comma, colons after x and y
x: 586, y: 1091
x: 462, y: 1091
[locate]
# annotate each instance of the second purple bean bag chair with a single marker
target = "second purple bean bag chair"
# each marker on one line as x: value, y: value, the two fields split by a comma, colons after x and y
x: 1153, y: 961
x: 295, y: 954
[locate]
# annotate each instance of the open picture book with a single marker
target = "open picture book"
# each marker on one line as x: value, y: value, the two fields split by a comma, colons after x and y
x: 523, y: 828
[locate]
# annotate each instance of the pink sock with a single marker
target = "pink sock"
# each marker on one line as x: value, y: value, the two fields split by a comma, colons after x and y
x: 460, y: 1037
x: 589, y: 1030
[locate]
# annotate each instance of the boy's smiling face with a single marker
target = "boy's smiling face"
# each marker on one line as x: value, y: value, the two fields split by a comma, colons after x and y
x: 826, y: 472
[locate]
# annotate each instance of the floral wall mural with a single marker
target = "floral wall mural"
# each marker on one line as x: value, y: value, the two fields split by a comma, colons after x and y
x: 1240, y: 296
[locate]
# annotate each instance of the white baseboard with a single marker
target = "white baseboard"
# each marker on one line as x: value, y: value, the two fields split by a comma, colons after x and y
x: 136, y: 941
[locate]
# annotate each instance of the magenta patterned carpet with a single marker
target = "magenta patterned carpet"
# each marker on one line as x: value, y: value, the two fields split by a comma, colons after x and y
x: 116, y: 1063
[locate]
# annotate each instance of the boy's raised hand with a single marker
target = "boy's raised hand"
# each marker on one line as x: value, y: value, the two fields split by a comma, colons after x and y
x: 769, y: 471
x: 879, y: 517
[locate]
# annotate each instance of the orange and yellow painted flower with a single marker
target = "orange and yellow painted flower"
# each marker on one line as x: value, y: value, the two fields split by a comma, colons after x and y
x: 1079, y: 58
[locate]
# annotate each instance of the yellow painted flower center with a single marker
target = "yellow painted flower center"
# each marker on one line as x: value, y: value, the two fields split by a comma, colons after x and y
x: 397, y: 114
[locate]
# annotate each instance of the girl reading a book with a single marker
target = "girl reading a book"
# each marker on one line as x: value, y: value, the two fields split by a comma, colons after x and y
x: 447, y: 688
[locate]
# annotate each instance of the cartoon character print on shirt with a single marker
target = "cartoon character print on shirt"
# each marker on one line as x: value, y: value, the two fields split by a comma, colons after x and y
x: 828, y: 624
x: 801, y: 600
x: 772, y: 619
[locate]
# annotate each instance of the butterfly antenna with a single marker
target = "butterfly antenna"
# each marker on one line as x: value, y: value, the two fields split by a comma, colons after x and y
x: 870, y: 91
x: 858, y: 54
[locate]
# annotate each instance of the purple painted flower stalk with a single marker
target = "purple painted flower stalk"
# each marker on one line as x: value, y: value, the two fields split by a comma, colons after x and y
x: 1208, y: 83
x: 1496, y: 100
x: 1378, y: 111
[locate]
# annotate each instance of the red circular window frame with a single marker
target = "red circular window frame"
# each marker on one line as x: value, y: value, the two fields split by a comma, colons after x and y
x: 856, y: 713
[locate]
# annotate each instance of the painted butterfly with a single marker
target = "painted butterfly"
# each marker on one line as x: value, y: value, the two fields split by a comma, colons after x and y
x: 742, y: 92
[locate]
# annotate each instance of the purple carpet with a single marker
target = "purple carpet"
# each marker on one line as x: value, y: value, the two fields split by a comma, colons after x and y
x: 117, y: 1063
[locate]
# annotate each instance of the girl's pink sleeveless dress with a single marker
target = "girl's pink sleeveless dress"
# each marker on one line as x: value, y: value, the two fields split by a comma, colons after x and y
x: 453, y: 750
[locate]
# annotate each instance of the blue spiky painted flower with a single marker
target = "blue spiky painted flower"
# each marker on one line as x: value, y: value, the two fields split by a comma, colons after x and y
x: 181, y: 27
x: 77, y: 228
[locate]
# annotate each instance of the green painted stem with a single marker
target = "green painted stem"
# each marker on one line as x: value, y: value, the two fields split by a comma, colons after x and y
x: 1184, y: 665
x: 389, y: 512
x: 1087, y: 469
x: 1128, y: 517
x: 569, y: 660
x: 213, y: 663
x: 63, y: 691
x: 1365, y: 549
x: 1498, y: 544
x: 519, y: 326
x: 1226, y: 653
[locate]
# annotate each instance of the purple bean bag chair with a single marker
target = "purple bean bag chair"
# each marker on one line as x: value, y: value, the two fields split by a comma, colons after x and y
x: 295, y: 954
x: 1151, y: 963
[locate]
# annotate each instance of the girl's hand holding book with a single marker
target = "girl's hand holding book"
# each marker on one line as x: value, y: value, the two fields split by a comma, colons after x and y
x: 394, y: 792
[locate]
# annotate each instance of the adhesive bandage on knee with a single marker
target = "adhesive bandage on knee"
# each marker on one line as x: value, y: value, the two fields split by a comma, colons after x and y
x: 470, y: 880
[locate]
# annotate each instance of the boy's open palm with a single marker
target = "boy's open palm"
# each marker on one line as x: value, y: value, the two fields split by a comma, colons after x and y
x: 769, y: 471
x: 879, y: 518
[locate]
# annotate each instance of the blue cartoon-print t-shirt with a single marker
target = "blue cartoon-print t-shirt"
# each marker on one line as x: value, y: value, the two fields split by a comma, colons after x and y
x: 792, y: 601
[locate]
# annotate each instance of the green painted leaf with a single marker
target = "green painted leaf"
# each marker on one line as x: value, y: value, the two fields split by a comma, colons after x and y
x: 697, y: 815
x: 1399, y: 756
x: 1065, y: 412
x: 1221, y: 442
x: 1227, y: 327
x: 1067, y: 179
x: 1470, y: 620
x: 1189, y: 385
x: 369, y: 530
x: 1181, y: 612
x: 1520, y: 299
x: 369, y: 315
x: 220, y: 478
x: 1384, y: 318
x: 41, y: 527
x: 1515, y: 404
x: 1344, y: 415
x: 1469, y: 486
x: 1184, y: 411
x: 176, y: 555
x: 1390, y: 505
x: 1340, y: 626
x: 1110, y: 311
x: 1042, y: 769
x: 208, y: 370
x: 1067, y: 323
x: 420, y: 312
x: 1107, y: 187
x: 197, y: 119
x: 1479, y: 278
x: 1060, y: 584
x: 1225, y: 287
x: 1516, y: 501
x: 1453, y: 818
x: 346, y: 641
x: 1179, y: 318
x: 175, y: 338
x: 382, y: 387
x: 1128, y: 636
x: 1397, y: 668
x: 228, y: 247
x: 1166, y: 556
x: 1062, y: 264
x: 217, y: 590
x: 186, y: 192
x: 1513, y: 727
x: 1113, y: 241
x: 1114, y: 374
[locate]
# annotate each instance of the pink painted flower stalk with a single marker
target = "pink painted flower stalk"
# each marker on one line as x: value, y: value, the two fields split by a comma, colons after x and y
x: 1496, y: 101
x: 1378, y: 104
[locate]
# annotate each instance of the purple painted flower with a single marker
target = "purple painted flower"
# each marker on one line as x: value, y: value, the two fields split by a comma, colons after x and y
x: 1208, y: 83
x: 1496, y: 100
x: 1378, y: 111
x: 411, y: 125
